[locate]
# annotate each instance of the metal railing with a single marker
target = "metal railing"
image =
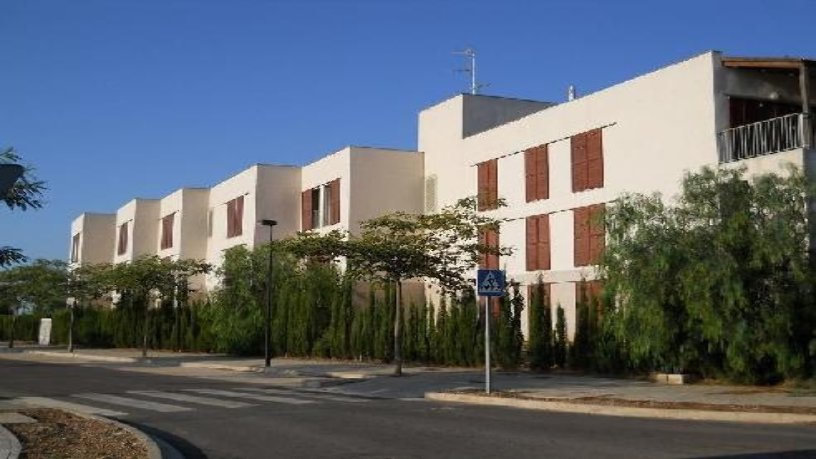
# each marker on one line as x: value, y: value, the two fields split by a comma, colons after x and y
x: 762, y: 138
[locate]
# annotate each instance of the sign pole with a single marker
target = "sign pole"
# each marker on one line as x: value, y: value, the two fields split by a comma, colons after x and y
x: 489, y: 283
x: 487, y: 345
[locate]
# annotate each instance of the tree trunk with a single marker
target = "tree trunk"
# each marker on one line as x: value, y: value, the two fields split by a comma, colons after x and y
x: 398, y: 332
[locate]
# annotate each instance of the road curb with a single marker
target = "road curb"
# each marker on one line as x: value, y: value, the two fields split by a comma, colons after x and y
x: 10, y: 446
x: 153, y: 450
x: 79, y: 355
x: 625, y: 411
x: 223, y: 366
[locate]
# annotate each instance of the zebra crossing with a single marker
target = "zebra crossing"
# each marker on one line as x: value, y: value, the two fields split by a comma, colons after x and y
x: 186, y: 400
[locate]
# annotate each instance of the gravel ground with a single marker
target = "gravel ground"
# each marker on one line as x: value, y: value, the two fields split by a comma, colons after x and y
x: 62, y: 435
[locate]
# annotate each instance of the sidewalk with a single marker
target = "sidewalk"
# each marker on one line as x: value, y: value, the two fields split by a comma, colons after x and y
x: 547, y: 391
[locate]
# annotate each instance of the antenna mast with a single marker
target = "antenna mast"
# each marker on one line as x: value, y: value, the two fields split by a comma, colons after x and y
x: 470, y: 54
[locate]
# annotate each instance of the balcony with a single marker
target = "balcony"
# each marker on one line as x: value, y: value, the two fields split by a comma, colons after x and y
x: 766, y: 137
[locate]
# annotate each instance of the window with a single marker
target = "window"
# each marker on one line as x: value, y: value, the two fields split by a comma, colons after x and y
x: 306, y: 210
x: 235, y: 217
x: 487, y: 181
x: 316, y: 222
x: 537, y: 173
x: 75, y: 248
x: 538, y: 242
x: 122, y: 246
x: 167, y: 231
x: 331, y: 203
x: 587, y: 160
x: 589, y: 233
x: 320, y: 206
x: 489, y: 237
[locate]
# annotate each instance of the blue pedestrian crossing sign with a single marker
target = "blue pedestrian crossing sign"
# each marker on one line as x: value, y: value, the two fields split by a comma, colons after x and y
x: 490, y: 282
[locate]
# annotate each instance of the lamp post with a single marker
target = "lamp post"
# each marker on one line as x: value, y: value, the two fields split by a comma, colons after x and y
x: 267, y: 355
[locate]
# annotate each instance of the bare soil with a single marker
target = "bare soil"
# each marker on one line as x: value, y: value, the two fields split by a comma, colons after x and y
x: 61, y: 435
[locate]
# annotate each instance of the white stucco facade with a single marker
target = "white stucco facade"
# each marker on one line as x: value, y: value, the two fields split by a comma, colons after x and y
x: 655, y: 128
x: 92, y: 238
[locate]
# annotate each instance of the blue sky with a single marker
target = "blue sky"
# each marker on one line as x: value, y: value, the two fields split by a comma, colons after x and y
x: 112, y: 99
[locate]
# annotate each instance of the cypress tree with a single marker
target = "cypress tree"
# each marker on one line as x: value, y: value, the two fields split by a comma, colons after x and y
x: 540, y: 343
x: 561, y: 342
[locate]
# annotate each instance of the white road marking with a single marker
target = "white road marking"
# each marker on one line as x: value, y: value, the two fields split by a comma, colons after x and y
x: 191, y: 399
x: 305, y: 394
x: 51, y: 403
x: 132, y: 402
x: 263, y: 398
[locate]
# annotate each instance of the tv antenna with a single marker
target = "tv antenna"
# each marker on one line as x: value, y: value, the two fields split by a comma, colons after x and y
x: 470, y: 55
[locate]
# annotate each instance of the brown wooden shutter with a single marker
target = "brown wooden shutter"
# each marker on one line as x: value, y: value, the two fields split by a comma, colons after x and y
x: 543, y: 245
x: 306, y: 210
x: 578, y: 147
x: 231, y: 218
x: 595, y: 165
x: 493, y: 184
x: 493, y: 241
x: 123, y: 239
x: 581, y: 234
x: 482, y: 189
x: 542, y: 168
x: 75, y: 248
x: 239, y: 215
x: 334, y: 217
x: 167, y: 232
x: 530, y: 175
x: 532, y: 243
x: 597, y: 233
x: 483, y: 242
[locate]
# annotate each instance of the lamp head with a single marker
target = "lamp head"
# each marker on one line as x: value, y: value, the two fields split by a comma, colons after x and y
x: 268, y: 222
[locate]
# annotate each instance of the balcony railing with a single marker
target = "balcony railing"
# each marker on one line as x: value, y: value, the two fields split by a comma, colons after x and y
x: 762, y: 138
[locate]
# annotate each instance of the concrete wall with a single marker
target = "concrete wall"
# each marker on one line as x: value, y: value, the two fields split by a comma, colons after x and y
x: 189, y: 205
x: 383, y: 181
x: 334, y: 166
x: 142, y: 216
x: 655, y: 128
x: 278, y: 199
x: 97, y: 233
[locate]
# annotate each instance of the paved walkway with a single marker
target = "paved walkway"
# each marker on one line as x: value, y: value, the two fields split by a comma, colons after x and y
x: 372, y: 379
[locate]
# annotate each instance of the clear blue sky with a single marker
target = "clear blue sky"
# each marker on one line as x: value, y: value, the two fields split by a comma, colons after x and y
x: 112, y: 99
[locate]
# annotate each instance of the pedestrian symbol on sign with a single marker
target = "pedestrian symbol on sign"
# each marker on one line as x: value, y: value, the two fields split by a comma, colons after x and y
x: 490, y: 282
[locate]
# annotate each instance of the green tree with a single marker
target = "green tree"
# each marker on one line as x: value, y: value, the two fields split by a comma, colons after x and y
x: 150, y: 279
x: 561, y: 341
x: 720, y: 282
x: 540, y: 343
x: 39, y: 286
x: 26, y: 193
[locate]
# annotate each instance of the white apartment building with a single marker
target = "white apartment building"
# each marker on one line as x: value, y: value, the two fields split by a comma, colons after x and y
x: 555, y: 165
x: 92, y: 237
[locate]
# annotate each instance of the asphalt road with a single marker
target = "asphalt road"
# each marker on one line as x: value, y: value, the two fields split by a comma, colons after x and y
x: 220, y: 419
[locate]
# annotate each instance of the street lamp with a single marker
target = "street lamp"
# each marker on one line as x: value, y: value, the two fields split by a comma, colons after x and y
x: 9, y: 173
x: 267, y: 355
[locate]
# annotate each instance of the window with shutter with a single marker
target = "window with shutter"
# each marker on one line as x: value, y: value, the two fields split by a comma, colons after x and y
x: 235, y: 217
x: 334, y: 214
x: 122, y: 245
x: 488, y: 185
x: 578, y: 148
x: 595, y: 166
x: 590, y: 234
x: 537, y: 173
x: 489, y: 238
x: 581, y: 236
x: 75, y: 248
x: 538, y: 242
x: 167, y: 232
x: 306, y: 210
x: 597, y: 233
x: 587, y: 160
